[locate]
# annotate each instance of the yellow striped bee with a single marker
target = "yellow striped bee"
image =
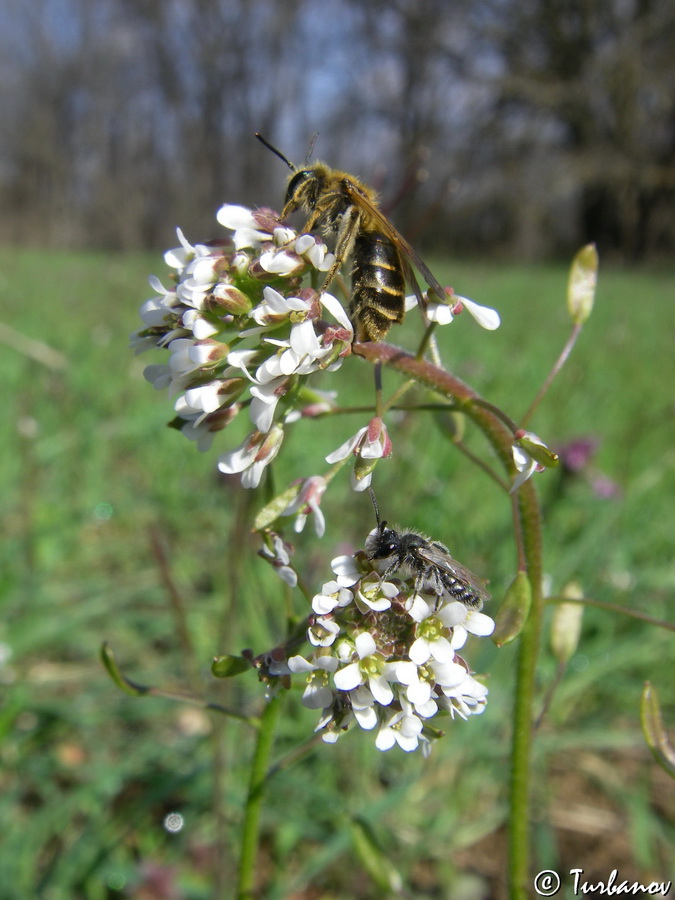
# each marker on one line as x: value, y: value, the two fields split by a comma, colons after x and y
x: 342, y: 205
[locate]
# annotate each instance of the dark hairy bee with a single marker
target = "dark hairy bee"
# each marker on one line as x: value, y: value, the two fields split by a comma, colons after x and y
x: 427, y: 562
x: 344, y: 207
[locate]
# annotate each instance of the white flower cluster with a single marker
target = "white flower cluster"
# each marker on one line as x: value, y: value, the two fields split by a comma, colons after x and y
x: 241, y: 331
x: 385, y: 657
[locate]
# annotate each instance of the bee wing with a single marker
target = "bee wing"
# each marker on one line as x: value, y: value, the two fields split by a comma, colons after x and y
x: 444, y: 561
x: 361, y: 201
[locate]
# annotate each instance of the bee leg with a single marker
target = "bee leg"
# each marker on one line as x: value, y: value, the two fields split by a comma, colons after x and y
x: 391, y: 568
x: 349, y: 228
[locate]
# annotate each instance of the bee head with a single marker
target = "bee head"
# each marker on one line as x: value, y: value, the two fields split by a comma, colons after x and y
x: 304, y: 188
x: 383, y: 542
x: 305, y: 184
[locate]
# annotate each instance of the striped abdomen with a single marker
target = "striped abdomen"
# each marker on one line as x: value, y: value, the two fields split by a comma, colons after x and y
x: 378, y: 286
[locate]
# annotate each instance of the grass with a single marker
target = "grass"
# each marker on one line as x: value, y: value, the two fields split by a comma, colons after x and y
x: 92, y: 481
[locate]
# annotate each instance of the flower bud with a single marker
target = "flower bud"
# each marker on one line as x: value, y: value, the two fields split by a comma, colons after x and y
x: 514, y: 610
x: 581, y: 285
x: 363, y: 467
x: 566, y: 625
x: 533, y: 445
x: 227, y: 298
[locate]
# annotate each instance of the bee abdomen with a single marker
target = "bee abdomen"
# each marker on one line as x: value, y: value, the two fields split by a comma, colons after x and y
x: 378, y: 286
x: 459, y: 591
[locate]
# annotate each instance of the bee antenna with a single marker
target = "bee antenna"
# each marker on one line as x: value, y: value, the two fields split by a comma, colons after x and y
x: 375, y: 507
x: 312, y: 144
x: 275, y: 151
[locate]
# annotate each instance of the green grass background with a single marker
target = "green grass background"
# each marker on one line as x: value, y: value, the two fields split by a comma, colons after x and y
x: 89, y: 473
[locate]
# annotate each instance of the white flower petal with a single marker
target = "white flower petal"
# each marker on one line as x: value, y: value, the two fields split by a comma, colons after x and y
x: 487, y: 318
x: 348, y: 678
x: 232, y: 216
x: 419, y: 652
x: 304, y: 340
x: 365, y: 644
x: 299, y: 664
x: 317, y: 696
x: 381, y: 689
x: 337, y: 310
x: 441, y: 649
x: 419, y: 692
x: 440, y: 313
x: 385, y: 739
x: 345, y: 449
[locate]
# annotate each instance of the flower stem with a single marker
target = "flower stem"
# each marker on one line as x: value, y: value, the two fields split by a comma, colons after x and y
x: 251, y: 824
x: 550, y: 378
x: 523, y: 723
x: 529, y: 545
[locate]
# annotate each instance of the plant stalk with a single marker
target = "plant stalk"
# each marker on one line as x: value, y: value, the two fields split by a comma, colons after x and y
x: 251, y: 824
x: 530, y: 553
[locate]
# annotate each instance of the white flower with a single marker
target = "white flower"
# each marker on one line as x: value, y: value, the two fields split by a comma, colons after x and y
x: 158, y: 374
x: 247, y: 232
x: 188, y: 357
x: 318, y: 693
x: 332, y: 596
x: 252, y: 456
x: 525, y: 464
x: 196, y: 429
x: 416, y: 679
x: 277, y: 308
x: 402, y: 727
x: 203, y: 399
x: 279, y: 556
x: 337, y: 311
x: 432, y: 634
x: 346, y: 570
x: 161, y: 310
x: 464, y: 621
x: 315, y: 251
x: 375, y: 594
x: 280, y: 262
x: 180, y: 257
x: 363, y: 707
x: 525, y: 461
x: 371, y: 668
x: 308, y: 501
x: 442, y: 313
x: 487, y: 318
x: 200, y: 327
x: 467, y: 698
x: 323, y: 631
x: 198, y: 281
x: 369, y: 442
x: 264, y: 404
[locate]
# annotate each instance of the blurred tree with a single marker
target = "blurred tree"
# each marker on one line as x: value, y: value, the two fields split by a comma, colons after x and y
x: 584, y: 103
x: 503, y: 125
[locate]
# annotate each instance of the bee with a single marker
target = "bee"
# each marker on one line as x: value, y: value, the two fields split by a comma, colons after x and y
x: 344, y: 207
x: 427, y: 562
